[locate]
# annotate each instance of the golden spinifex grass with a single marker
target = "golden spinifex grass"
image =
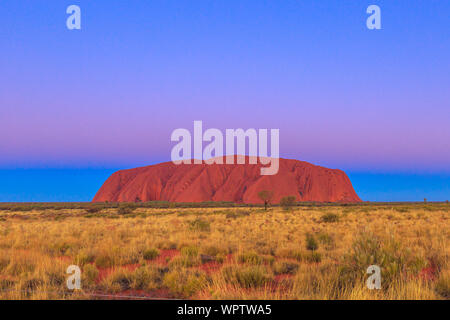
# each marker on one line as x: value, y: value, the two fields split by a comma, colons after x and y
x: 308, y: 252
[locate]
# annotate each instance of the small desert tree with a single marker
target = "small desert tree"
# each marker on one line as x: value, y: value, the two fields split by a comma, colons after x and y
x: 265, y: 196
x: 287, y: 202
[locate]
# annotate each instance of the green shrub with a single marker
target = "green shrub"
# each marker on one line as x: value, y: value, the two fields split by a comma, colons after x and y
x: 84, y: 256
x: 148, y: 277
x: 104, y: 261
x: 311, y: 243
x: 402, y: 210
x: 55, y: 278
x: 285, y: 267
x: 330, y: 217
x: 32, y: 285
x: 287, y: 202
x: 189, y: 258
x: 236, y: 214
x: 6, y: 284
x: 250, y: 258
x: 268, y: 260
x: 93, y: 210
x: 255, y: 259
x: 247, y: 277
x: 220, y: 258
x: 126, y: 208
x: 4, y: 262
x: 183, y: 261
x: 314, y: 257
x: 166, y: 245
x: 190, y: 251
x: 231, y: 215
x: 443, y: 285
x: 325, y: 239
x: 185, y: 283
x: 199, y: 224
x: 59, y: 248
x: 121, y: 279
x: 89, y: 275
x: 290, y: 254
x: 151, y: 253
x: 214, y: 251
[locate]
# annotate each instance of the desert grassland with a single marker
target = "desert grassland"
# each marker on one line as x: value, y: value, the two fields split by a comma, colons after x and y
x: 309, y: 252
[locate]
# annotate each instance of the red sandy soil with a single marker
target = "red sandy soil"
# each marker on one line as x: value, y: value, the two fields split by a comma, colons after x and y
x: 64, y: 258
x: 210, y: 267
x: 239, y: 183
x: 278, y: 282
x: 165, y: 256
x: 105, y: 272
x: 429, y: 273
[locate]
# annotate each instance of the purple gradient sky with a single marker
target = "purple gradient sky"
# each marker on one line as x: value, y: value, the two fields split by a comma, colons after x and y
x: 110, y: 95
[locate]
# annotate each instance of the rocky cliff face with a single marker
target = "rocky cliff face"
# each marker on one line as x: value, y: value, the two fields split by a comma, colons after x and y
x: 225, y: 182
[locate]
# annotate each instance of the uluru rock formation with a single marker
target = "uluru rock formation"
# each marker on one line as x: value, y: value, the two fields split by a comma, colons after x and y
x: 227, y: 182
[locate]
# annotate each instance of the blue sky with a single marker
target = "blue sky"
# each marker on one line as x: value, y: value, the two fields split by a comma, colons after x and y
x: 77, y: 105
x: 61, y: 185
